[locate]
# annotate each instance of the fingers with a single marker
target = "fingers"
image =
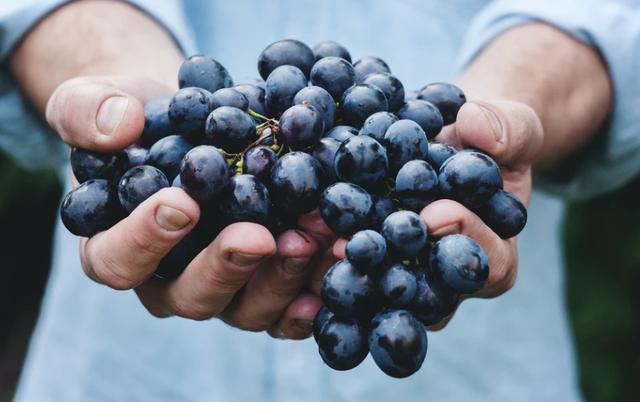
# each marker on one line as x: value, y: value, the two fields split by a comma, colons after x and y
x: 100, y: 113
x: 275, y: 285
x: 510, y: 132
x: 297, y: 321
x: 444, y: 217
x: 211, y: 280
x: 128, y: 253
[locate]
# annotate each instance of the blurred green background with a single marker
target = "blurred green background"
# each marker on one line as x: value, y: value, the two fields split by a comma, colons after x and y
x: 603, y: 279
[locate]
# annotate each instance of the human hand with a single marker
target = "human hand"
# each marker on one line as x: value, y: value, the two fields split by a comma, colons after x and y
x: 245, y: 276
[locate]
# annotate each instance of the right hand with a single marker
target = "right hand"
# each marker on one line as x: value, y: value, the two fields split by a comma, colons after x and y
x: 245, y: 276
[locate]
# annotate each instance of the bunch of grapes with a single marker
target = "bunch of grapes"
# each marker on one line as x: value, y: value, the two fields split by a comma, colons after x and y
x: 318, y: 132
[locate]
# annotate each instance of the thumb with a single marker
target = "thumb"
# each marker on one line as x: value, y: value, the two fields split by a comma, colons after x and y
x: 510, y: 132
x: 101, y: 113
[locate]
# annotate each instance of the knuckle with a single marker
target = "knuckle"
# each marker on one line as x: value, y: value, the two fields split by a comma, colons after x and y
x: 238, y: 318
x: 110, y: 273
x: 193, y: 312
x: 226, y: 284
x: 145, y: 246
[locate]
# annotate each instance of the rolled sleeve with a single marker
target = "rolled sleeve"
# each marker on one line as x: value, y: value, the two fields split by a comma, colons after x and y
x: 612, y: 159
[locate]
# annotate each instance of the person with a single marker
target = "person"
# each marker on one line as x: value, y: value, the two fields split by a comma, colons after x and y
x: 551, y: 88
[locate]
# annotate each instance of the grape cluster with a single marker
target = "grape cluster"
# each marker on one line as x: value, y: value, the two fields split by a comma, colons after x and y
x: 317, y: 131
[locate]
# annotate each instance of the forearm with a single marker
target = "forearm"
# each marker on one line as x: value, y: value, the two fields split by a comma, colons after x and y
x: 563, y: 80
x: 93, y: 37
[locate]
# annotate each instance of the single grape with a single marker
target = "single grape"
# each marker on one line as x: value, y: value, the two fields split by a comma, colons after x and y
x: 285, y: 52
x: 416, y: 185
x: 406, y: 233
x: 390, y: 85
x: 230, y: 129
x: 424, y: 113
x: 369, y: 65
x: 321, y: 100
x: 330, y: 48
x: 135, y: 155
x: 346, y: 208
x: 282, y: 86
x: 325, y: 153
x: 504, y: 213
x: 90, y: 208
x: 204, y: 173
x: 138, y: 184
x: 382, y: 207
x: 188, y: 111
x: 448, y: 98
x: 246, y: 200
x: 167, y: 154
x: 259, y: 161
x: 398, y: 343
x: 255, y: 95
x: 361, y: 101
x: 460, y: 262
x: 438, y: 153
x: 342, y: 344
x: 301, y: 127
x: 363, y: 161
x: 366, y: 250
x: 398, y: 286
x: 203, y: 72
x: 89, y: 165
x: 470, y: 178
x: 296, y: 182
x: 229, y: 97
x: 433, y: 300
x: 156, y: 120
x: 341, y: 133
x: 376, y: 125
x: 322, y: 317
x: 405, y: 141
x: 334, y: 74
x: 347, y: 292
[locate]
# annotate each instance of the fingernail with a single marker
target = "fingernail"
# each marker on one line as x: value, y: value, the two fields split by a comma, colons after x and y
x: 493, y: 120
x: 171, y: 219
x: 295, y: 265
x: 111, y: 113
x: 244, y: 260
x: 445, y: 230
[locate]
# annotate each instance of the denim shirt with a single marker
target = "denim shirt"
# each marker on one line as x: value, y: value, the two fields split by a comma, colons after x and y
x: 95, y: 344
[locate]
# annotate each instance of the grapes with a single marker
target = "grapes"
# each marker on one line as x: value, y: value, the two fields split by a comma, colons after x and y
x: 323, y: 133
x: 285, y: 52
x: 448, y: 98
x: 138, y: 184
x: 301, y: 126
x: 282, y: 86
x: 361, y: 101
x: 363, y: 161
x: 460, y: 262
x: 334, y: 74
x: 203, y: 72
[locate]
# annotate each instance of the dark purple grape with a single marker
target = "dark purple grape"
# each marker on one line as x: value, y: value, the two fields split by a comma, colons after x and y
x: 245, y: 200
x: 259, y: 161
x: 398, y: 286
x: 301, y: 127
x: 138, y: 184
x: 390, y: 85
x: 285, y: 52
x: 504, y: 213
x: 363, y: 161
x: 188, y: 111
x: 438, y: 153
x: 156, y: 120
x: 135, y: 155
x: 382, y: 207
x: 424, y: 113
x: 90, y: 208
x: 342, y: 343
x: 230, y: 129
x: 255, y: 95
x: 334, y: 74
x: 448, y: 98
x: 346, y: 208
x: 89, y: 165
x: 347, y: 292
x: 406, y: 233
x: 325, y: 153
x: 322, y: 317
x: 361, y: 101
x: 376, y: 125
x: 405, y: 141
x: 330, y: 48
x: 296, y: 182
x: 470, y: 178
x: 167, y: 154
x: 398, y: 343
x: 369, y: 65
x: 433, y: 300
x: 460, y: 262
x: 203, y: 72
x: 204, y: 173
x: 282, y: 86
x: 321, y: 100
x: 341, y: 133
x: 229, y: 97
x: 416, y: 185
x: 366, y: 250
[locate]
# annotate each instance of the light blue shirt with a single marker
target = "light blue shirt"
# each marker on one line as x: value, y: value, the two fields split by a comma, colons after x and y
x: 95, y: 344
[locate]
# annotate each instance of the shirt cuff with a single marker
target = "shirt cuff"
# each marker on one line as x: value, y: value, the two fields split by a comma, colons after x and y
x: 612, y: 159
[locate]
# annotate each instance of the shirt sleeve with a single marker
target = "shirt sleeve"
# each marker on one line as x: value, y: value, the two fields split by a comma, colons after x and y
x: 612, y: 159
x: 23, y: 134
